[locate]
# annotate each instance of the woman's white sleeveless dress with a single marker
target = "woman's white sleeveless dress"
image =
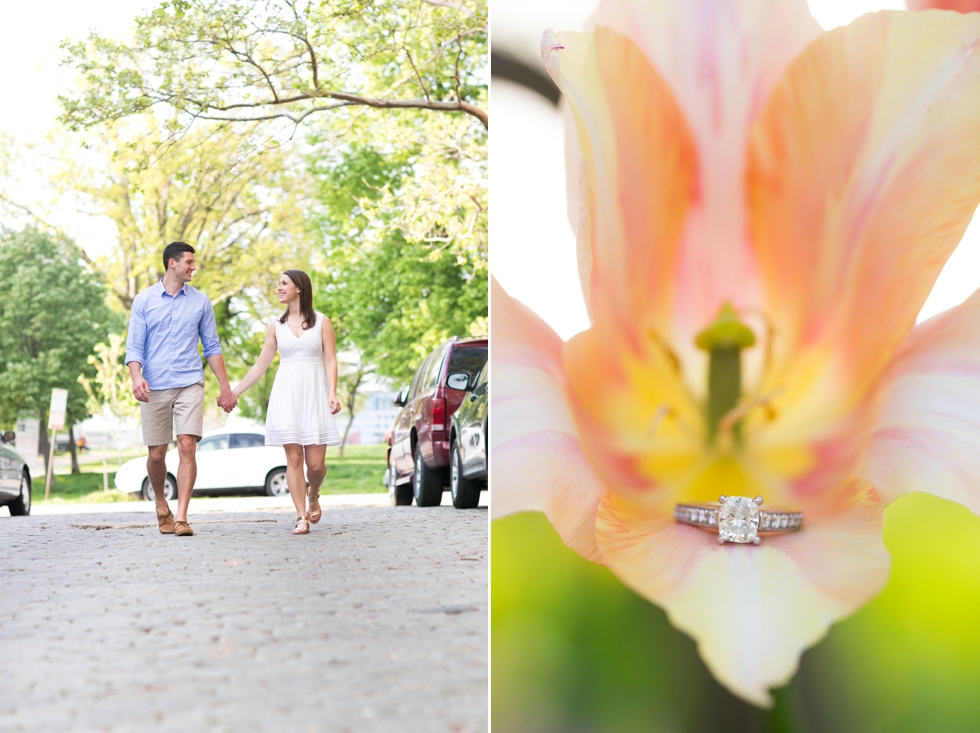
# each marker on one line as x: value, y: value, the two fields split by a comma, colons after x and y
x: 299, y: 407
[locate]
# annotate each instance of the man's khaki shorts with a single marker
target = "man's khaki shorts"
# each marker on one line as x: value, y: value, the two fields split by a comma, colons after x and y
x: 173, y: 409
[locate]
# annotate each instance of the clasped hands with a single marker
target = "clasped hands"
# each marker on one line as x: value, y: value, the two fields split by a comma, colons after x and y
x: 227, y: 400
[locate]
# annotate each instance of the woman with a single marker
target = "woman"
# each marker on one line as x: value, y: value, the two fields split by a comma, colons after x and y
x: 304, y: 395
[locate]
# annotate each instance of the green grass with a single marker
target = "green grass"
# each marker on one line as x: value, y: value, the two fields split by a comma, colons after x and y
x: 359, y: 472
x: 85, y: 487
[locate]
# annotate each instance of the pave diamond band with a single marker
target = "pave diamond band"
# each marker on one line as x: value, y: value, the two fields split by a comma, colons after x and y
x: 738, y: 518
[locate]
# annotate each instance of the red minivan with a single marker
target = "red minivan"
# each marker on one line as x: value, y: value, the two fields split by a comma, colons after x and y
x: 418, y: 461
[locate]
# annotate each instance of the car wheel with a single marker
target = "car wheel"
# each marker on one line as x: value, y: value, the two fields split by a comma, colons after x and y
x: 426, y: 483
x: 466, y: 493
x: 169, y: 488
x: 399, y: 495
x: 22, y: 506
x: 275, y: 483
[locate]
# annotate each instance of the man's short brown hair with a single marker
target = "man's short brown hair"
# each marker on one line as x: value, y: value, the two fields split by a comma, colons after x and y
x: 175, y: 251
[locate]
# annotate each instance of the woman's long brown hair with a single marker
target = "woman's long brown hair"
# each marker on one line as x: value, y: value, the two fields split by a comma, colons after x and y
x: 302, y: 281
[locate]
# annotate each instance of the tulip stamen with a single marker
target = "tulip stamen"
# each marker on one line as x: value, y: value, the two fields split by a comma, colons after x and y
x: 724, y: 340
x: 769, y: 332
x: 662, y: 413
x: 727, y: 424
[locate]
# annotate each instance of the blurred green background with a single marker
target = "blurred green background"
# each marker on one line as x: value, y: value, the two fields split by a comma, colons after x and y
x: 575, y: 651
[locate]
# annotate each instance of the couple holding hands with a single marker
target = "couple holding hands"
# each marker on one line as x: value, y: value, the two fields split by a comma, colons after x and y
x: 166, y: 323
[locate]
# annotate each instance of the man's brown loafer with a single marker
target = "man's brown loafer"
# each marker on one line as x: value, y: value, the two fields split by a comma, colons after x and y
x: 166, y: 522
x: 183, y: 529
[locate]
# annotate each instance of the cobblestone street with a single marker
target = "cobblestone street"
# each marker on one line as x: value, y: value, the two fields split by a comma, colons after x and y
x: 375, y: 621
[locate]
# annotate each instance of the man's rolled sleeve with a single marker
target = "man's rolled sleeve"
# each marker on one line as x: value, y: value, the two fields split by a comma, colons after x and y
x: 136, y: 338
x: 208, y: 331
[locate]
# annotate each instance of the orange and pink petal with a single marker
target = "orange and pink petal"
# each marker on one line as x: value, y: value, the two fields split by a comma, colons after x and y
x: 637, y: 175
x: 960, y: 6
x: 721, y: 59
x: 535, y: 453
x: 928, y: 436
x: 864, y: 171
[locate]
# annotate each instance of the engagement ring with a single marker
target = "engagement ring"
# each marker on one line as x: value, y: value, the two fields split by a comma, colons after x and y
x: 738, y: 519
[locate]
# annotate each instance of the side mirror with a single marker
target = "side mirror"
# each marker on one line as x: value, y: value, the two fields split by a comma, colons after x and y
x: 458, y: 381
x: 400, y: 398
x: 9, y: 437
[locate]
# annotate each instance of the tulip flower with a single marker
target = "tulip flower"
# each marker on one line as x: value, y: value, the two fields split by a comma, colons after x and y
x: 761, y: 210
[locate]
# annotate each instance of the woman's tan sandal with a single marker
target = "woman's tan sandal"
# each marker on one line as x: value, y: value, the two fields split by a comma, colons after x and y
x: 166, y: 522
x: 183, y: 529
x: 302, y: 526
x: 314, y: 515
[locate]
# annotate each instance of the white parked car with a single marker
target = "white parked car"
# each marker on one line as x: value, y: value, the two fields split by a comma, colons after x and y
x: 226, y: 461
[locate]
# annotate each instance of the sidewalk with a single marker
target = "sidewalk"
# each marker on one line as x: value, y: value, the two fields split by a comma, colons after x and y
x: 374, y: 622
x: 204, y: 504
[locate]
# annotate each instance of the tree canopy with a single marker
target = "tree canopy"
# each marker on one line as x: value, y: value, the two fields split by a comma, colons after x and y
x: 235, y: 60
x: 52, y: 315
x: 175, y: 138
x: 232, y: 198
x: 402, y: 217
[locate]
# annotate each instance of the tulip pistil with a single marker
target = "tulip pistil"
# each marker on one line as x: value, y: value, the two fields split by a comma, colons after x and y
x: 724, y: 340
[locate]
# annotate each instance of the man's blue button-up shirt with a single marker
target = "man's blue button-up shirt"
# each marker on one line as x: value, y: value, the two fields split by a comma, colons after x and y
x: 163, y: 334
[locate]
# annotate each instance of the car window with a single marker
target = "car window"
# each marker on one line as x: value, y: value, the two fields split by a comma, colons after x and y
x: 246, y: 440
x: 418, y: 378
x: 431, y: 376
x: 468, y: 360
x: 481, y: 381
x: 215, y: 442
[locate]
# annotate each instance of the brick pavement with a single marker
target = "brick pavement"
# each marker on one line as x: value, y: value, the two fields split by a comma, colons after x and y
x: 376, y: 621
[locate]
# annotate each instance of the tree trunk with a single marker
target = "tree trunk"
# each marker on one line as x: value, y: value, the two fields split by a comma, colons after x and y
x: 343, y: 441
x: 44, y: 443
x: 351, y: 402
x: 74, y: 451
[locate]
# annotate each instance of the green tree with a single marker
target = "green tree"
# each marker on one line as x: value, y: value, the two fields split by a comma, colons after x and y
x: 403, y: 220
x: 52, y: 314
x: 350, y: 380
x: 262, y: 60
x: 242, y: 323
x: 236, y: 201
x: 397, y: 301
x: 111, y: 388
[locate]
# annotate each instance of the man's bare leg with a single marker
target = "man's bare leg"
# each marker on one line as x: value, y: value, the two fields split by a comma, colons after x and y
x: 156, y: 469
x: 186, y: 474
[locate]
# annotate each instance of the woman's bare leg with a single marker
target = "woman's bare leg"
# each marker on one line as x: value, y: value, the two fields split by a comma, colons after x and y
x: 316, y: 471
x: 294, y: 477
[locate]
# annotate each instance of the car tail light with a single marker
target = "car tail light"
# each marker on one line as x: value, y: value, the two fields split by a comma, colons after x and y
x: 439, y: 414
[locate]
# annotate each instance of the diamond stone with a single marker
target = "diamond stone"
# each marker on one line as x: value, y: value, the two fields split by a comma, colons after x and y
x: 738, y: 520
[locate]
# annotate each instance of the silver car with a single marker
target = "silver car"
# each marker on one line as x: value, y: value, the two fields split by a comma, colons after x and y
x: 15, y: 478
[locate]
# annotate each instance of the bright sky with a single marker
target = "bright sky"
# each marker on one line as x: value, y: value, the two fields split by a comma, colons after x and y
x: 29, y: 54
x: 532, y: 246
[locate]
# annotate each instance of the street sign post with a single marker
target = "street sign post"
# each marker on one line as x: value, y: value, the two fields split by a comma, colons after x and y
x: 56, y: 421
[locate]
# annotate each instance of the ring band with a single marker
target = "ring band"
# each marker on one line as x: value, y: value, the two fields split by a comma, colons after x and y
x: 739, y: 519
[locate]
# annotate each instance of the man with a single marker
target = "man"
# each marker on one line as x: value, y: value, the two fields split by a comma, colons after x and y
x: 166, y: 322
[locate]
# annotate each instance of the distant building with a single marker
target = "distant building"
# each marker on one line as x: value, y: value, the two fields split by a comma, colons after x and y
x: 373, y: 421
